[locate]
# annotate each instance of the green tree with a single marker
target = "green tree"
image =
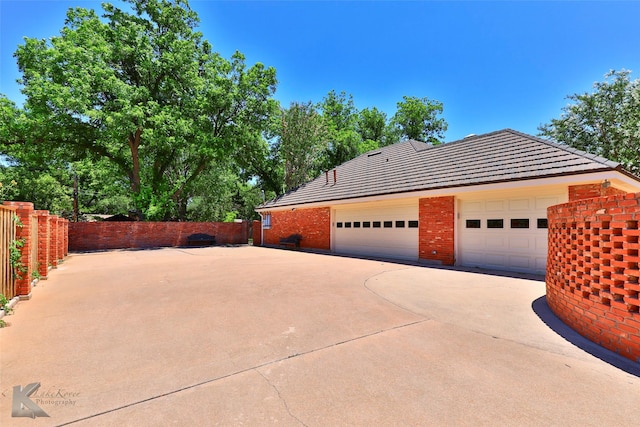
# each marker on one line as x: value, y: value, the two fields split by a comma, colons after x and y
x: 417, y: 118
x: 605, y: 122
x: 41, y: 187
x: 301, y: 141
x: 371, y: 126
x: 145, y: 92
x: 340, y: 116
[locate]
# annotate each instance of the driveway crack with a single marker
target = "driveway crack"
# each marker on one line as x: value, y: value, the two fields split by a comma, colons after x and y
x: 282, y: 399
x: 241, y: 371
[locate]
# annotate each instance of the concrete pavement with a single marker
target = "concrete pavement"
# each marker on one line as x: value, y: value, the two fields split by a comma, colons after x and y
x: 256, y: 336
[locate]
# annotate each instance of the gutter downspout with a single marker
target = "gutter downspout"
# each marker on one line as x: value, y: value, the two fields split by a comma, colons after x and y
x: 261, y: 229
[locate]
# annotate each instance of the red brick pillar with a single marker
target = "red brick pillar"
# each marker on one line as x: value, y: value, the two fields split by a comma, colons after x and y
x: 60, y: 231
x: 53, y: 241
x: 24, y: 211
x: 437, y: 219
x: 66, y: 237
x: 44, y: 244
x: 257, y: 233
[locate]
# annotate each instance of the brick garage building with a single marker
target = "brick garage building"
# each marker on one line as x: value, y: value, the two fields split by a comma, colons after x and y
x: 478, y: 202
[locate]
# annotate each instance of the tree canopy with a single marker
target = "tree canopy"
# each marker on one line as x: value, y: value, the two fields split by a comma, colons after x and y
x: 145, y: 92
x: 140, y: 111
x: 605, y: 122
x: 417, y: 118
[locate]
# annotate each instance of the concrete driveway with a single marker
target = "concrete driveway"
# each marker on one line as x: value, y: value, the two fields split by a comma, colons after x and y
x: 256, y: 336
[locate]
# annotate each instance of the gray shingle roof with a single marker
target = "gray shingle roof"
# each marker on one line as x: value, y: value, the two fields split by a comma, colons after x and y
x: 500, y: 156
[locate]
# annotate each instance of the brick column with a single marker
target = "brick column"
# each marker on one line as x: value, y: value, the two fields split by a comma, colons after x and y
x: 24, y: 211
x: 66, y: 238
x: 53, y: 242
x: 436, y: 241
x: 44, y: 244
x: 60, y: 232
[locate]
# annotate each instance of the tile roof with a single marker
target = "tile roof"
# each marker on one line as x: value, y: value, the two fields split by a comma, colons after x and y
x: 505, y: 155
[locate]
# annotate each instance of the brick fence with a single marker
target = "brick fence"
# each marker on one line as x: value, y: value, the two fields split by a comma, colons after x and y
x: 592, y: 270
x: 45, y: 245
x: 90, y: 236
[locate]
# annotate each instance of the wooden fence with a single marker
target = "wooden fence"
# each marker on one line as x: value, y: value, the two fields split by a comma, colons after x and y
x: 7, y: 237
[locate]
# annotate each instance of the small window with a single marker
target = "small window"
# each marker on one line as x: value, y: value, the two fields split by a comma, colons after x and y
x: 388, y: 224
x: 366, y: 224
x: 413, y: 224
x: 543, y: 223
x: 266, y: 221
x: 339, y: 225
x: 356, y: 224
x: 519, y: 222
x: 495, y: 223
x: 399, y: 224
x: 347, y: 225
x: 473, y: 223
x: 376, y: 224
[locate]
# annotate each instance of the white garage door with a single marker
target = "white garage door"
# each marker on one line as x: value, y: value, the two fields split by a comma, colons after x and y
x: 506, y: 234
x: 377, y: 230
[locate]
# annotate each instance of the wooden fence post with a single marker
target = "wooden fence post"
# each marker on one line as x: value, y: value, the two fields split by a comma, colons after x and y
x: 7, y: 236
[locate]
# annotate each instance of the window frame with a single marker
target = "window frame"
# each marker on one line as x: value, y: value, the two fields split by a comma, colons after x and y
x: 266, y: 221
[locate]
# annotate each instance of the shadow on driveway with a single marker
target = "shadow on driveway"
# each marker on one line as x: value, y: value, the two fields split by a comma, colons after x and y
x: 542, y: 309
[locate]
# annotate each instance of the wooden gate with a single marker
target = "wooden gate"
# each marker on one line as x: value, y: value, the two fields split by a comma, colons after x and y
x: 7, y: 236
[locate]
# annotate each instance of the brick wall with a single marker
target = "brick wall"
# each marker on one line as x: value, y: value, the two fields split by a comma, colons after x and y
x: 256, y: 230
x: 592, y: 269
x: 89, y: 236
x: 436, y: 233
x: 313, y: 224
x: 589, y: 191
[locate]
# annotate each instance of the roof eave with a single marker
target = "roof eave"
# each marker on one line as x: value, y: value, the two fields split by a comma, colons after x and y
x: 442, y: 187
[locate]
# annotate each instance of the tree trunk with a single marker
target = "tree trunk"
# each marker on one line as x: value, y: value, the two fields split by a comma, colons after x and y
x: 134, y: 176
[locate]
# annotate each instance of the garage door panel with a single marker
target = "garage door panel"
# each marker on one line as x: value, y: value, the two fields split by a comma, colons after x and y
x: 519, y: 242
x: 523, y: 262
x: 516, y: 249
x: 495, y: 206
x: 519, y: 205
x: 494, y: 241
x: 495, y: 259
x: 475, y: 258
x: 392, y: 242
x: 472, y: 206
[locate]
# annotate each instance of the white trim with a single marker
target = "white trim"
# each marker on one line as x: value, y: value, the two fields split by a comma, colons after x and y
x: 617, y: 179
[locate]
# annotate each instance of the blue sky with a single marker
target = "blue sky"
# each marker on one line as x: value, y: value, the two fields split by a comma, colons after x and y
x: 493, y: 65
